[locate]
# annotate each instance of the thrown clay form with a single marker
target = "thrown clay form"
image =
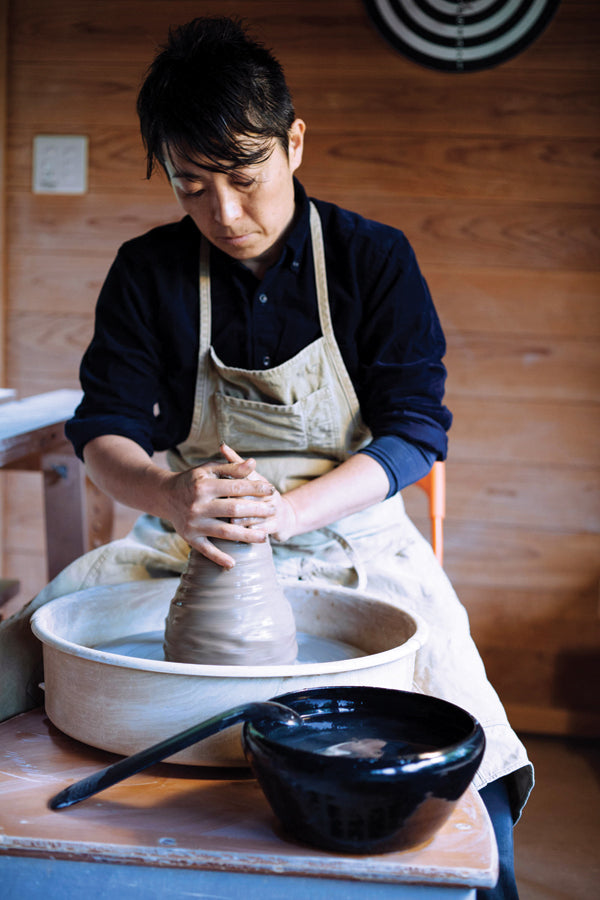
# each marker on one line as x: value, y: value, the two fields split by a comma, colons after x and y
x: 237, y: 616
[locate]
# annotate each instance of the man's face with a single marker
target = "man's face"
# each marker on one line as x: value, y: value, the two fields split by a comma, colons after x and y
x: 245, y: 212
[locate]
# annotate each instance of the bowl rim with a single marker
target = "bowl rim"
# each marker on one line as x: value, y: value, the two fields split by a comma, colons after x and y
x: 39, y: 626
x: 414, y: 761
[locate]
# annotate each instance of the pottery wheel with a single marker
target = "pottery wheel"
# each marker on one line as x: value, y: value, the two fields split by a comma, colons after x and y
x: 123, y: 702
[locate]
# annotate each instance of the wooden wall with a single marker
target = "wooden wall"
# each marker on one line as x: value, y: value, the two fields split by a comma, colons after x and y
x: 493, y: 176
x: 3, y: 99
x: 3, y: 278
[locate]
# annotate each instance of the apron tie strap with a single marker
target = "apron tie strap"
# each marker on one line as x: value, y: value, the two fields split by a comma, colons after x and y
x: 305, y: 567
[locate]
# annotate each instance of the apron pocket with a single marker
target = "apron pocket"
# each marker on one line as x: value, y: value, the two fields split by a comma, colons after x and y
x: 252, y: 426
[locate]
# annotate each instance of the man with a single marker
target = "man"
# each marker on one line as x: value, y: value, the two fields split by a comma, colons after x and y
x: 288, y: 356
x: 230, y: 146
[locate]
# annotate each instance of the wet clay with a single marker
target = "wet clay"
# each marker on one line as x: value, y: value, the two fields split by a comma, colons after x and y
x: 237, y: 616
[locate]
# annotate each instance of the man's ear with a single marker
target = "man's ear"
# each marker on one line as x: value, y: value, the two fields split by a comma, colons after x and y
x: 296, y: 143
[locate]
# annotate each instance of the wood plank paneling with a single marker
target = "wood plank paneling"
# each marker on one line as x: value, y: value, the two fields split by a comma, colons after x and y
x: 494, y: 178
x: 549, y: 497
x: 3, y: 141
x: 564, y: 680
x: 517, y: 366
x: 477, y: 233
x: 541, y: 496
x: 3, y: 248
x: 68, y: 224
x: 491, y: 605
x: 560, y: 170
x: 48, y: 343
x: 559, y: 304
x: 337, y: 32
x: 563, y: 169
x: 525, y: 431
x: 359, y: 95
x: 511, y: 104
x: 517, y: 557
x: 60, y: 283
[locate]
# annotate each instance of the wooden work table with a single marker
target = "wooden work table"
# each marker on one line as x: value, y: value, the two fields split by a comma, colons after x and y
x: 184, y: 831
x: 78, y: 517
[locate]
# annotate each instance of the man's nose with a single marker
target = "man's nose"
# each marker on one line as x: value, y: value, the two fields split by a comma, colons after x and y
x: 226, y: 205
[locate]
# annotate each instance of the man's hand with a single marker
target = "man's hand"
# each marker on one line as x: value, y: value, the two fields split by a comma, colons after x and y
x: 219, y: 500
x: 281, y: 521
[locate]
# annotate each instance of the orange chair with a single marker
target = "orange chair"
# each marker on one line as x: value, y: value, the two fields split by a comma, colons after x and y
x: 434, y: 485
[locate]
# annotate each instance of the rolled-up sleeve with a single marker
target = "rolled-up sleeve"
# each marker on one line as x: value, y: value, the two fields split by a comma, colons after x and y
x: 119, y: 371
x: 401, y: 377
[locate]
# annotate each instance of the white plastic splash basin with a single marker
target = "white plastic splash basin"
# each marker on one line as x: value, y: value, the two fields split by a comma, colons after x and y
x: 124, y: 702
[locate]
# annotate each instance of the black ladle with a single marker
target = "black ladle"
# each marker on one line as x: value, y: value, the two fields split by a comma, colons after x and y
x: 122, y: 769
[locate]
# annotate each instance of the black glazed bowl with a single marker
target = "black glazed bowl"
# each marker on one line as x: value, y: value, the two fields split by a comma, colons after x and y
x: 417, y: 756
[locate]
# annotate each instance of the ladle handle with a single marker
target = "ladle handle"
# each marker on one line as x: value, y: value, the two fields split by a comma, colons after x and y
x: 122, y: 769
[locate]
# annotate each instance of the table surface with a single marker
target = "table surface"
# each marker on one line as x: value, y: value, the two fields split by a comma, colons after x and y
x: 32, y: 438
x: 38, y: 411
x: 34, y: 424
x: 183, y: 816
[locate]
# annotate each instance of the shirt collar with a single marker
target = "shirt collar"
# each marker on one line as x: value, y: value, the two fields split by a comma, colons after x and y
x: 299, y: 233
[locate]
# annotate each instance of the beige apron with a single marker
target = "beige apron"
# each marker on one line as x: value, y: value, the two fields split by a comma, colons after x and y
x: 299, y: 420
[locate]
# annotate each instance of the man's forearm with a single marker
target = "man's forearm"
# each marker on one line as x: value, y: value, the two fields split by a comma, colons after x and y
x: 124, y: 471
x: 356, y: 484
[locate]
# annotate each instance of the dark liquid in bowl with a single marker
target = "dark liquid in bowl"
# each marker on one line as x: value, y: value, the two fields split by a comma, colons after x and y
x: 355, y: 736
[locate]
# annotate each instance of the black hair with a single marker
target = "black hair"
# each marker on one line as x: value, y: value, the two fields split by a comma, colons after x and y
x: 209, y: 87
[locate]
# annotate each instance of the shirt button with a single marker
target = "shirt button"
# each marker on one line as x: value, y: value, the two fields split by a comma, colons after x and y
x: 263, y: 298
x: 266, y: 360
x: 295, y: 265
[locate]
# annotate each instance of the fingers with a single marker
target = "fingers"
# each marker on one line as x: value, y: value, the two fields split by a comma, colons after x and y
x: 207, y: 549
x: 248, y: 522
x: 224, y: 508
x: 230, y: 454
x: 237, y: 509
x: 242, y: 469
x: 241, y: 534
x: 235, y: 459
x: 200, y: 533
x: 226, y: 481
x: 208, y: 514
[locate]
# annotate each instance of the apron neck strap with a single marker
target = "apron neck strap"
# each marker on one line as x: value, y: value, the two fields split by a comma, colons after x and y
x: 318, y: 246
x: 316, y: 235
x: 205, y: 310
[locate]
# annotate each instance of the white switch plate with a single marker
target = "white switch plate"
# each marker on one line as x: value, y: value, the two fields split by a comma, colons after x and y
x: 60, y: 164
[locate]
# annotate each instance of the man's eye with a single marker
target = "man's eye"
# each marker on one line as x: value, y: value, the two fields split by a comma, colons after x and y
x: 243, y: 182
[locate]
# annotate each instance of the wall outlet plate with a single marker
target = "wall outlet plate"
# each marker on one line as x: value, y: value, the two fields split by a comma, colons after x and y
x: 60, y: 164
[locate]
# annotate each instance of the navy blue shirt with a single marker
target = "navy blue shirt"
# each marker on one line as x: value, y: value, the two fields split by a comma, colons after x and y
x: 139, y: 372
